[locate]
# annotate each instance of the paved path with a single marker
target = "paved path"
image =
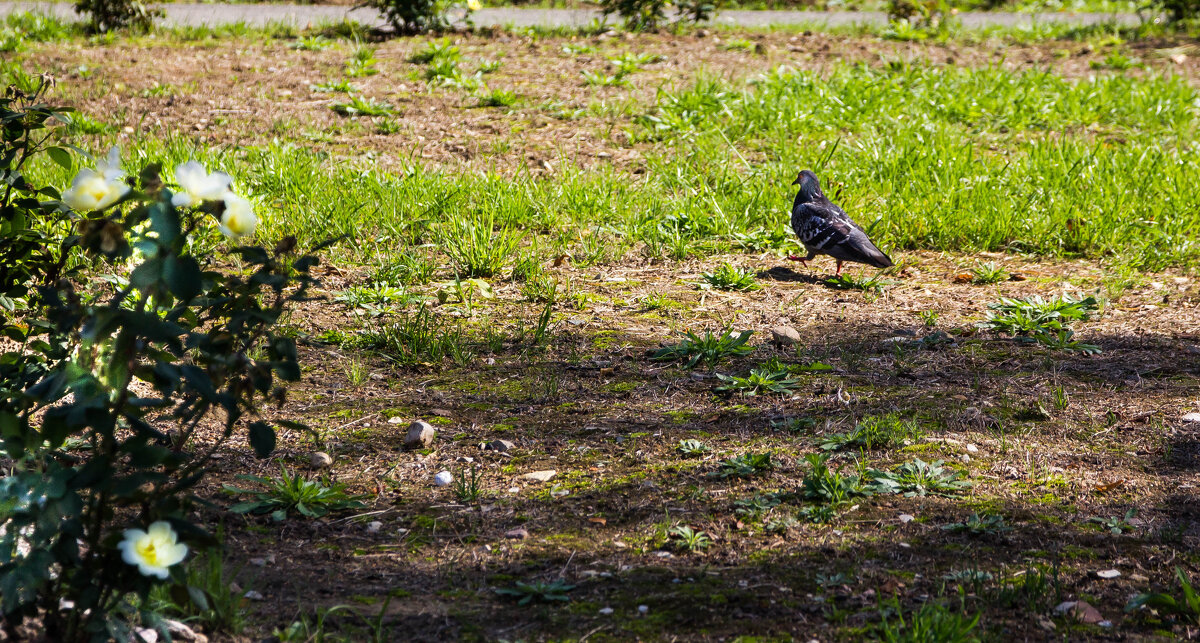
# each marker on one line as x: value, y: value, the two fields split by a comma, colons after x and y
x: 300, y: 15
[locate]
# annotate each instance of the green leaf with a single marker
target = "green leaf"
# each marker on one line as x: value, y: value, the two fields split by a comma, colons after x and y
x: 165, y: 221
x: 250, y: 506
x: 182, y: 275
x: 199, y: 597
x: 262, y: 439
x: 60, y: 156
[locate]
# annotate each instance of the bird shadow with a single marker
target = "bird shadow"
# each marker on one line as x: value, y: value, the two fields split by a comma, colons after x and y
x: 783, y: 273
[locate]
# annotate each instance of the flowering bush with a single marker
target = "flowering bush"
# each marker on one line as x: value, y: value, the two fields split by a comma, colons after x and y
x: 415, y: 16
x: 115, y: 393
x: 648, y: 15
x: 107, y: 15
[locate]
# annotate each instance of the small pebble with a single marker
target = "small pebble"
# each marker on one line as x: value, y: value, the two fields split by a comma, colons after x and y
x: 519, y: 533
x: 374, y: 526
x: 420, y: 434
x: 320, y: 460
x: 254, y: 596
x: 500, y: 445
x: 443, y: 479
x: 606, y: 611
x: 540, y: 476
x: 643, y: 609
x: 269, y: 559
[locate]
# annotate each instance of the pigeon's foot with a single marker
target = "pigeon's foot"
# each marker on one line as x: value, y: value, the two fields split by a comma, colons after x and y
x: 802, y: 260
x: 839, y: 269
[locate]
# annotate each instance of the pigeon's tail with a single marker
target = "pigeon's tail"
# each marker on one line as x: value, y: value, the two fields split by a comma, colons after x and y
x: 858, y: 248
x: 877, y: 258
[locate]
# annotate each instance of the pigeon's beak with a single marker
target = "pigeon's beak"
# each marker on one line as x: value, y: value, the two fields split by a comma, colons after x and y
x: 796, y: 182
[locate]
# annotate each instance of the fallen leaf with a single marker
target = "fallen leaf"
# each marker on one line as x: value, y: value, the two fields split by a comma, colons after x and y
x: 1103, y: 488
x: 964, y: 278
x: 598, y: 521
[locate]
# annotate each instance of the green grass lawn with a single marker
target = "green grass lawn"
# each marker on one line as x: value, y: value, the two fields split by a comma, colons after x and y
x: 936, y: 158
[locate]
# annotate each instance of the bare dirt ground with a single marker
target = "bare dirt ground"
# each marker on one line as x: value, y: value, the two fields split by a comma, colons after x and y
x: 244, y: 93
x: 595, y: 409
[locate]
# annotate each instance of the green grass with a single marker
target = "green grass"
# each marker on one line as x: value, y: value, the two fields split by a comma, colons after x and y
x: 499, y: 98
x: 288, y: 493
x: 940, y: 158
x: 358, y: 106
x: 876, y: 432
x: 728, y: 277
x: 708, y: 349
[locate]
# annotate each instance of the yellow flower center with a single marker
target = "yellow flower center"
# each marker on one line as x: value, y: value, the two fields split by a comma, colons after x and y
x: 96, y: 188
x: 147, y: 550
x: 237, y: 225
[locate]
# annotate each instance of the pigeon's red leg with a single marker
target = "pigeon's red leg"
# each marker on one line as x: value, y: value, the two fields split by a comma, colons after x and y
x: 802, y: 260
x: 839, y: 268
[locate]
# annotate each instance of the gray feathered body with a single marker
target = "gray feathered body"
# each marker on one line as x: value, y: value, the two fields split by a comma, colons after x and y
x: 824, y: 228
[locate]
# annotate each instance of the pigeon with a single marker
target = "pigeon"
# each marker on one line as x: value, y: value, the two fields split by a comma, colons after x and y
x: 825, y: 229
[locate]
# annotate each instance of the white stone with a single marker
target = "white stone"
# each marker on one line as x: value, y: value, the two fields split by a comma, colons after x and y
x: 606, y: 611
x: 374, y: 526
x: 1064, y: 607
x: 540, y: 476
x: 181, y: 631
x: 1192, y: 417
x: 420, y: 435
x: 500, y: 445
x: 396, y: 420
x: 254, y: 596
x: 785, y: 336
x: 443, y: 479
x: 319, y: 460
x: 1108, y: 574
x: 906, y: 518
x: 643, y: 609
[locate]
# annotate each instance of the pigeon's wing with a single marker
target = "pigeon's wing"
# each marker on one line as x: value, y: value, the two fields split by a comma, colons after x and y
x: 829, y: 231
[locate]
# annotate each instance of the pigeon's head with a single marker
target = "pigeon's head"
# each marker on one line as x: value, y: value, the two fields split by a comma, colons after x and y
x: 809, y: 185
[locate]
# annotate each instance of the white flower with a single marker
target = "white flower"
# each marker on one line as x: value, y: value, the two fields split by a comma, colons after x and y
x: 238, y: 220
x: 197, y: 185
x: 110, y: 166
x: 99, y: 188
x: 153, y: 551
